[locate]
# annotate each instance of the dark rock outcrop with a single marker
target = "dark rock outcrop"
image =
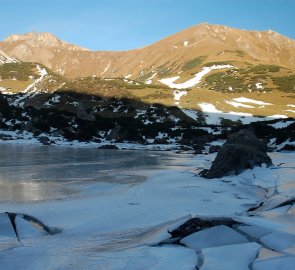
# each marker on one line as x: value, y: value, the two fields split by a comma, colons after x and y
x: 243, y: 150
x: 44, y: 140
x: 288, y: 147
x: 108, y: 146
x: 214, y: 148
x: 160, y: 141
x: 14, y: 224
x: 197, y: 224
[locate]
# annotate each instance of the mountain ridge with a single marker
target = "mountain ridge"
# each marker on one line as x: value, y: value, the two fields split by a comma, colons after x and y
x: 46, y: 39
x: 168, y: 54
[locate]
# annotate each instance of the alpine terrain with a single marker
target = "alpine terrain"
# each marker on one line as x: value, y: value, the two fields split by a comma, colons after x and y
x: 192, y: 84
x: 222, y: 99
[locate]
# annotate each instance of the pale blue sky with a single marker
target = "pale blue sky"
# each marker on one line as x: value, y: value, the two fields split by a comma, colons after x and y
x: 129, y: 24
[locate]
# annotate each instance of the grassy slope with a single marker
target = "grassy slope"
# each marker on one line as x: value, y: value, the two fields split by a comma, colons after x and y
x: 278, y: 86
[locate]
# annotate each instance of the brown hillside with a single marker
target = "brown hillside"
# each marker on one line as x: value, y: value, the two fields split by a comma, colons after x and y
x: 182, y: 52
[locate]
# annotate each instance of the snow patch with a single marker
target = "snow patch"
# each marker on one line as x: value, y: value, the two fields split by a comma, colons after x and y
x: 208, y: 107
x: 106, y: 69
x: 281, y: 124
x: 259, y: 86
x: 32, y: 88
x: 194, y: 81
x: 149, y: 80
x: 249, y: 100
x: 277, y: 116
x: 230, y: 257
x: 178, y: 94
x: 238, y: 104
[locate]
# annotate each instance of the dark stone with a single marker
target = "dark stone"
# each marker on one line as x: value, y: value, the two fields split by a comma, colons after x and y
x: 288, y: 147
x: 108, y: 146
x: 5, y: 137
x: 184, y: 148
x: 214, y: 148
x: 96, y: 140
x: 186, y: 142
x: 243, y: 150
x: 118, y: 134
x: 160, y: 141
x: 197, y: 224
x: 44, y: 140
x: 198, y: 148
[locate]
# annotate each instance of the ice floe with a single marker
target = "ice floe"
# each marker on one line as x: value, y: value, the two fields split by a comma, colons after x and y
x: 230, y: 257
x: 282, y: 263
x: 278, y: 241
x: 213, y: 237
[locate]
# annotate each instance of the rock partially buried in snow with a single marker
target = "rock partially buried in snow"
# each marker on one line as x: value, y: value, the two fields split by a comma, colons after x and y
x: 213, y: 237
x: 243, y: 150
x: 197, y: 224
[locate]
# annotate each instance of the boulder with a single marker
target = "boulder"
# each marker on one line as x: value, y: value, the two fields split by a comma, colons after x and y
x: 288, y: 147
x: 243, y: 150
x: 160, y: 141
x: 44, y: 140
x: 108, y: 146
x: 214, y: 148
x: 197, y: 224
x: 118, y: 134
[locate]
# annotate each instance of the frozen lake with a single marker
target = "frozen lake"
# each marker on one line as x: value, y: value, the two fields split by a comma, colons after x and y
x: 36, y: 173
x: 114, y: 207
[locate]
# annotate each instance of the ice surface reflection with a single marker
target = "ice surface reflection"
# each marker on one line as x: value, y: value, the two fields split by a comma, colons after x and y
x: 34, y: 173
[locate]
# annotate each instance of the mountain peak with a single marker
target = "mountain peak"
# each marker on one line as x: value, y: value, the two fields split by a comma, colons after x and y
x: 43, y: 39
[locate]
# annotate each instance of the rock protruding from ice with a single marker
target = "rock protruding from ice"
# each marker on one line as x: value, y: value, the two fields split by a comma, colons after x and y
x: 18, y: 226
x: 213, y: 237
x: 243, y: 150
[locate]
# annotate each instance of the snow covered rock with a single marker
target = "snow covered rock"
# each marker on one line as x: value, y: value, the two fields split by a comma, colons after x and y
x: 243, y: 150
